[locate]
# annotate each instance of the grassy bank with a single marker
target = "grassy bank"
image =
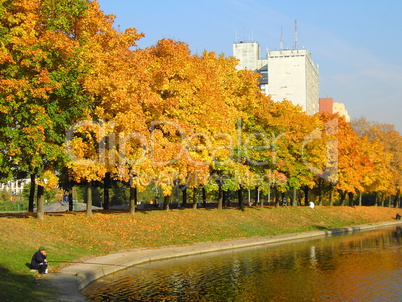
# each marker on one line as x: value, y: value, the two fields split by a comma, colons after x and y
x: 71, y: 236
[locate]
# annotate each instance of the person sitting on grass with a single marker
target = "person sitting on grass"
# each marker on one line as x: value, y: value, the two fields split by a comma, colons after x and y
x: 39, y: 261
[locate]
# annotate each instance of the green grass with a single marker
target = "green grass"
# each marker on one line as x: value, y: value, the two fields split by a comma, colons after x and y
x: 72, y: 236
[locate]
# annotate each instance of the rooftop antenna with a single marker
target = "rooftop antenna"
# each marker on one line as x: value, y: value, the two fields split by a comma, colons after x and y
x: 295, y: 34
x: 244, y: 33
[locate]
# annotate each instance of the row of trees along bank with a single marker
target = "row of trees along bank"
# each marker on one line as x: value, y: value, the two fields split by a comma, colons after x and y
x: 80, y: 104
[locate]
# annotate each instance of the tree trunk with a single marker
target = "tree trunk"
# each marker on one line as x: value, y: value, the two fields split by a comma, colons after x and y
x: 70, y: 199
x: 166, y: 201
x: 177, y: 195
x: 89, y: 198
x: 240, y: 198
x: 294, y: 197
x: 320, y: 192
x: 269, y: 197
x: 204, y: 197
x: 31, y: 202
x: 342, y: 194
x: 306, y: 190
x: 194, y: 198
x: 220, y: 197
x: 106, y: 186
x: 277, y: 199
x: 257, y: 196
x: 360, y: 198
x: 350, y: 195
x: 261, y: 199
x: 331, y: 197
x: 185, y: 195
x: 396, y: 199
x: 40, y: 203
x: 133, y: 199
x: 225, y: 199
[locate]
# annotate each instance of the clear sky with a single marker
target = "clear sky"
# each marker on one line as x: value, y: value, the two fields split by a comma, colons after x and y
x: 356, y: 43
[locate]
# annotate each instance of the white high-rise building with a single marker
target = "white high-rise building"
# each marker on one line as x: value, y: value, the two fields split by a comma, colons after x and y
x: 293, y: 76
x: 248, y: 55
x: 341, y: 110
x: 286, y: 74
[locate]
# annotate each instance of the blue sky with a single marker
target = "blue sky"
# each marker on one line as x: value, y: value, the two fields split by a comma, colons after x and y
x: 356, y: 43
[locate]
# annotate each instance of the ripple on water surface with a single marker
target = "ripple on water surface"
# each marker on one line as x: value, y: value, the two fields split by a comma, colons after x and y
x: 357, y: 267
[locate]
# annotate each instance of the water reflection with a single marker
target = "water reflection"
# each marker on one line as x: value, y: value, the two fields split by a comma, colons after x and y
x: 357, y: 267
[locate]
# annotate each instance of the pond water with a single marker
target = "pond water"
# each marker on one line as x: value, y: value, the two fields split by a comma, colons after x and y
x: 363, y: 266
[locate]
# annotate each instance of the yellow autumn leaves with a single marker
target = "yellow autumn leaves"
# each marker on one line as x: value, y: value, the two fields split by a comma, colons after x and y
x: 162, y: 115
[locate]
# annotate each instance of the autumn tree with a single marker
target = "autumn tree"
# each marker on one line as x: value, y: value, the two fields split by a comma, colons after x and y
x: 297, y: 147
x: 188, y: 103
x: 388, y: 160
x: 280, y: 146
x: 40, y: 95
x: 92, y: 143
x: 392, y: 142
x: 355, y: 161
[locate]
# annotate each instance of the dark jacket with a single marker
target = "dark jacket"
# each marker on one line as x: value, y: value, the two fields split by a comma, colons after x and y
x: 37, y: 259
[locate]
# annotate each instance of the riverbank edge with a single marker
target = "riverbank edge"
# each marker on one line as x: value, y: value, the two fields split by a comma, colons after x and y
x: 70, y: 280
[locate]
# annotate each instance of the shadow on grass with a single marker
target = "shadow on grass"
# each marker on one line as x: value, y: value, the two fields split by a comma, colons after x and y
x: 17, y: 215
x: 144, y: 209
x: 338, y: 231
x: 22, y: 287
x: 320, y: 227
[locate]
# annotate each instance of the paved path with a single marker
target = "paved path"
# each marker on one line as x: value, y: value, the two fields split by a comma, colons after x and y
x: 63, y: 207
x: 70, y: 280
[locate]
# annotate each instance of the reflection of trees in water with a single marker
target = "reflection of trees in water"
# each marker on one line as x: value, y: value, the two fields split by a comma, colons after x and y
x: 334, y: 266
x: 398, y: 233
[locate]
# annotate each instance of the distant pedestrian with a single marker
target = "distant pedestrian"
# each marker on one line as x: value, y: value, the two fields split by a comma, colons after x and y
x: 311, y: 205
x: 39, y: 261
